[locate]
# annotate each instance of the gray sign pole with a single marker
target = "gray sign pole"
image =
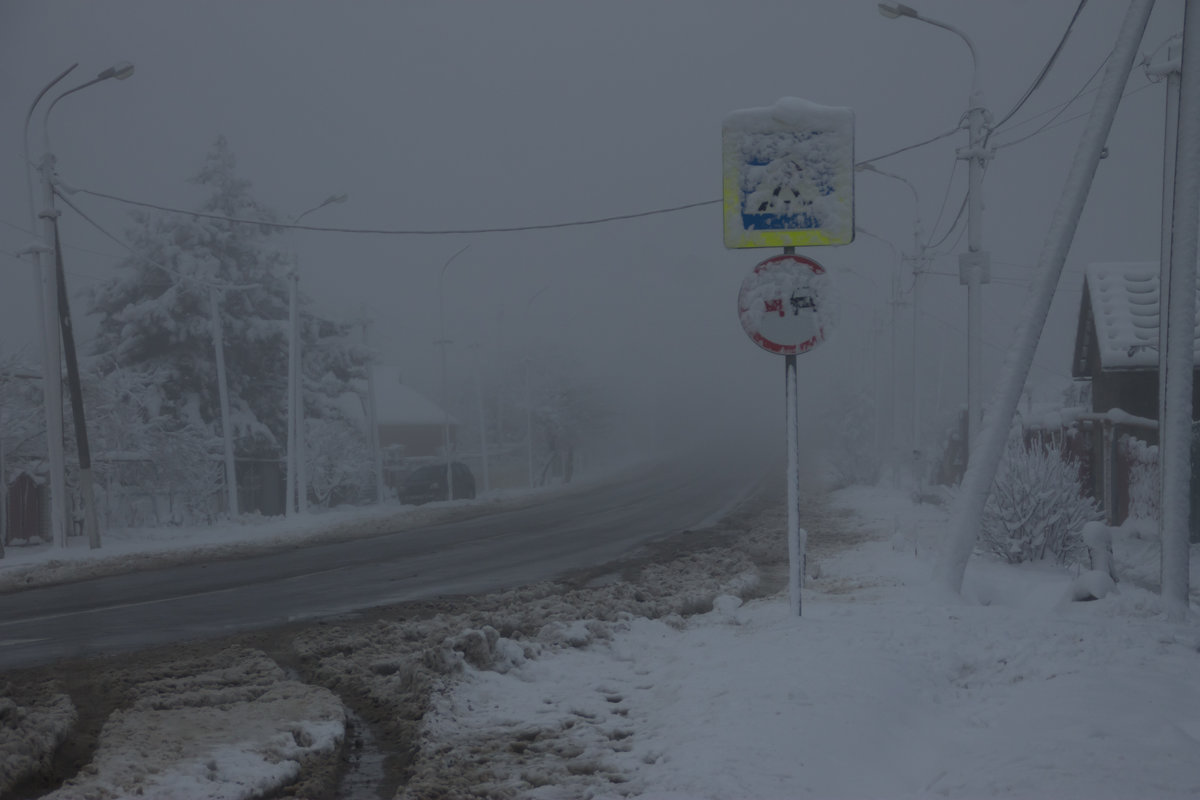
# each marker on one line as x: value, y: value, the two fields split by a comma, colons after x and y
x: 797, y: 537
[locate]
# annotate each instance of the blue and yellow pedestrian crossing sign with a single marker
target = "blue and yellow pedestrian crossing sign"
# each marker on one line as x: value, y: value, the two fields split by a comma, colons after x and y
x: 788, y: 175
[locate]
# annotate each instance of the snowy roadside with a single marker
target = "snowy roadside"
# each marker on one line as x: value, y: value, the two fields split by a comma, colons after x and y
x: 882, y: 689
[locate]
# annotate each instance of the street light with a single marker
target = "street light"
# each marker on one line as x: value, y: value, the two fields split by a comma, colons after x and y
x: 296, y: 478
x: 328, y: 201
x: 916, y: 261
x: 56, y: 323
x: 974, y: 265
x: 443, y: 341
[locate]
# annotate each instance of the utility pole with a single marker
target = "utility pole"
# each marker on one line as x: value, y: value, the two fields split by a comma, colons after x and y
x: 297, y: 471
x: 483, y: 442
x: 218, y: 337
x: 985, y: 460
x: 974, y: 266
x: 528, y: 421
x: 52, y: 367
x: 1175, y: 440
x: 373, y: 415
x: 87, y: 488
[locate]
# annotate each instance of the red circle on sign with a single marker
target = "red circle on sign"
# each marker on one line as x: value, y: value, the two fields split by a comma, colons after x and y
x: 780, y: 304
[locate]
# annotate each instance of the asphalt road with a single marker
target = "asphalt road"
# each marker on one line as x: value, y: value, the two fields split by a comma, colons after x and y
x: 504, y: 549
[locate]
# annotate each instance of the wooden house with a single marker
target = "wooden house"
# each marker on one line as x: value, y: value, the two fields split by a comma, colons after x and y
x: 1117, y: 353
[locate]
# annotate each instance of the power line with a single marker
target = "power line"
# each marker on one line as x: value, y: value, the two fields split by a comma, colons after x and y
x: 900, y: 150
x: 1048, y: 126
x: 157, y: 265
x: 1041, y: 76
x: 405, y: 231
x: 66, y: 246
x: 1058, y: 108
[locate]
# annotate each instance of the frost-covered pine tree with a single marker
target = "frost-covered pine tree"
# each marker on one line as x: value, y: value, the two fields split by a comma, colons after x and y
x: 155, y: 317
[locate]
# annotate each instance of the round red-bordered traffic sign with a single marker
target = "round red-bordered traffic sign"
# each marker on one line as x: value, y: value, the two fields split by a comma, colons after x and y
x: 781, y: 304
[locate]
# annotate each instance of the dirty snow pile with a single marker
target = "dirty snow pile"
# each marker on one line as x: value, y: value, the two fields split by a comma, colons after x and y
x: 883, y: 689
x: 236, y: 730
x: 30, y: 732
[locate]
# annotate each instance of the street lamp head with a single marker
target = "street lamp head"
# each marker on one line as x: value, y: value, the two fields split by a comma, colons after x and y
x: 892, y: 11
x: 336, y: 198
x: 121, y: 70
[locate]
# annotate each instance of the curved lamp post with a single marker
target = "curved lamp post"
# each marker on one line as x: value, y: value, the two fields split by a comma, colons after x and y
x: 916, y: 263
x: 56, y: 323
x: 973, y: 265
x: 296, y: 479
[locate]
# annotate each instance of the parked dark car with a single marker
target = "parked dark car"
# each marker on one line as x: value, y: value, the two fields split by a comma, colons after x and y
x: 428, y: 483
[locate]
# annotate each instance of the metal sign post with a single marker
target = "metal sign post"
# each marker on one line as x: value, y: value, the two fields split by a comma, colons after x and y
x: 788, y: 180
x: 781, y: 308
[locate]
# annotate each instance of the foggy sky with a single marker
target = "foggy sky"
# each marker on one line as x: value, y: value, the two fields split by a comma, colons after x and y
x: 482, y: 114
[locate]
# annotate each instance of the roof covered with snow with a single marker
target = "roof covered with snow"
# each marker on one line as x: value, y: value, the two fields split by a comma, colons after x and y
x: 399, y: 404
x: 1121, y: 301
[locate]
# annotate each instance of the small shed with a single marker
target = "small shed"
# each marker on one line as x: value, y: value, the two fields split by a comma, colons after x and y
x: 24, y: 516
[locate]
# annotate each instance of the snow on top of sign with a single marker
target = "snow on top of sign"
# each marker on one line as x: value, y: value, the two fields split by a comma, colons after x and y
x: 792, y: 112
x: 1124, y: 298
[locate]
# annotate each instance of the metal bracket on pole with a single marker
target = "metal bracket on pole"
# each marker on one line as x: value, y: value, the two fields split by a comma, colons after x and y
x: 980, y: 261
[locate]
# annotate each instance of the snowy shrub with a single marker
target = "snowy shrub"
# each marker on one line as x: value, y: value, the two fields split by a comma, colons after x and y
x: 1144, y: 482
x: 339, y: 462
x: 1037, y: 508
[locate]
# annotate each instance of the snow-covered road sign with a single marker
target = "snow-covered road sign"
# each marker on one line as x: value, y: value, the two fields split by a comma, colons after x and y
x: 788, y: 175
x: 781, y: 304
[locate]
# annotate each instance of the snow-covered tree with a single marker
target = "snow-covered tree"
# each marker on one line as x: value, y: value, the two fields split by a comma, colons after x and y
x: 174, y: 459
x: 156, y: 317
x: 22, y: 421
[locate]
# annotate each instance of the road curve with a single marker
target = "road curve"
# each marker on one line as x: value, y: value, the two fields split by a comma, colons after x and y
x: 508, y: 548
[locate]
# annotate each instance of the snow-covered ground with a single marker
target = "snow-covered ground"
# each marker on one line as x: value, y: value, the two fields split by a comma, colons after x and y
x: 884, y: 688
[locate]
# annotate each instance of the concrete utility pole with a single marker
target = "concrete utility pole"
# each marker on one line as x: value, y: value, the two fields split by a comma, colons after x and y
x: 46, y: 291
x: 1175, y: 441
x: 981, y: 470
